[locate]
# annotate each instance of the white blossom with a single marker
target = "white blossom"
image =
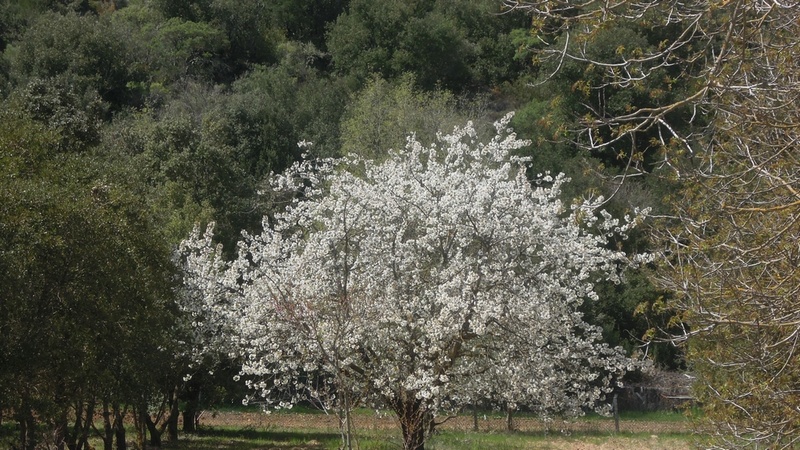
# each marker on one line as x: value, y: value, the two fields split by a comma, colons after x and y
x: 437, y: 278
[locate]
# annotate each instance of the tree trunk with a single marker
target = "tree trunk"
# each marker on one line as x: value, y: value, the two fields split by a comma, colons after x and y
x: 413, y: 436
x: 411, y: 413
x: 509, y: 419
x: 172, y: 419
x: 27, y: 429
x: 345, y: 428
x: 88, y: 423
x: 62, y: 438
x: 190, y: 410
x: 139, y: 414
x: 108, y: 427
x: 152, y: 428
x: 72, y: 436
x: 119, y: 429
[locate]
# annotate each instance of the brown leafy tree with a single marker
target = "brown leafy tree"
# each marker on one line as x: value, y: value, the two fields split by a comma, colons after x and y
x: 731, y: 241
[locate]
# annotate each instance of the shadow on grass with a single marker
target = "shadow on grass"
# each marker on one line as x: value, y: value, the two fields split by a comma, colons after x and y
x: 254, y: 439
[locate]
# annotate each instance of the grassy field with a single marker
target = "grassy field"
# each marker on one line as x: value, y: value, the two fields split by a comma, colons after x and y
x: 376, y: 431
x: 299, y: 439
x: 313, y: 430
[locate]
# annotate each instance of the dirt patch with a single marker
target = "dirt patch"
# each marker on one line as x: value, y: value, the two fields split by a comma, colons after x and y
x: 379, y: 421
x: 655, y: 442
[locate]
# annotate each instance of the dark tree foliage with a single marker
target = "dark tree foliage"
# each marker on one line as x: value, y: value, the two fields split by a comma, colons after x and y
x: 249, y: 28
x: 569, y: 92
x: 307, y: 20
x: 168, y: 50
x: 86, y: 50
x: 434, y: 40
x: 86, y: 307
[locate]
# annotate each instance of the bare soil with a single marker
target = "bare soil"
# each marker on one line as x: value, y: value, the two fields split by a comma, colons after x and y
x: 377, y: 421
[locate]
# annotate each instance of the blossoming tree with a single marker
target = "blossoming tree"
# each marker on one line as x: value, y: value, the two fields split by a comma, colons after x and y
x: 422, y: 283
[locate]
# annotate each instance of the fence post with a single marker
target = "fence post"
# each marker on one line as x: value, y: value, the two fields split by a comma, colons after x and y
x: 616, y: 412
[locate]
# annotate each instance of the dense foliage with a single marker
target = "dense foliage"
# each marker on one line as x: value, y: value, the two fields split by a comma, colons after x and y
x: 435, y: 279
x: 86, y: 307
x: 126, y: 123
x: 722, y: 119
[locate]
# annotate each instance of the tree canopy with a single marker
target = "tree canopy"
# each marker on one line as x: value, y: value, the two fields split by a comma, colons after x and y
x: 81, y: 256
x: 418, y: 283
x: 727, y: 135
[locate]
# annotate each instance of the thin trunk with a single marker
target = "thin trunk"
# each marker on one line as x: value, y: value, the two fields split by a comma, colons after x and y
x: 140, y: 423
x: 474, y: 417
x: 190, y: 420
x: 62, y: 438
x: 62, y: 435
x: 509, y: 419
x: 27, y: 429
x: 108, y: 427
x: 119, y: 428
x: 429, y: 424
x: 72, y: 436
x: 413, y: 436
x: 172, y: 420
x: 165, y: 419
x: 88, y: 423
x: 346, y: 424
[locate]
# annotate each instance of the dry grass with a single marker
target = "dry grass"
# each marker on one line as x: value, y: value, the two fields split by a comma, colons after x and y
x: 383, y: 421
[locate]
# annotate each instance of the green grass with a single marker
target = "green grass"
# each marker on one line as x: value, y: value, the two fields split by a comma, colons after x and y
x: 649, y: 416
x: 252, y: 439
x: 244, y: 439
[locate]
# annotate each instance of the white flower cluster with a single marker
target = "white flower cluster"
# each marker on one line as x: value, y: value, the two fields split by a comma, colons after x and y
x: 439, y: 277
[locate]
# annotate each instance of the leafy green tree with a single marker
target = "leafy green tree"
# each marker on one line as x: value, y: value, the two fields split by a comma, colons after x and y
x: 169, y: 160
x: 253, y: 23
x: 383, y: 115
x: 306, y: 21
x: 70, y: 73
x: 17, y: 15
x: 189, y: 49
x: 76, y: 116
x: 86, y: 50
x: 248, y: 27
x: 271, y: 109
x: 203, y: 154
x: 428, y: 38
x: 170, y: 49
x: 14, y: 17
x: 192, y: 10
x: 490, y: 37
x: 252, y: 36
x: 81, y: 256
